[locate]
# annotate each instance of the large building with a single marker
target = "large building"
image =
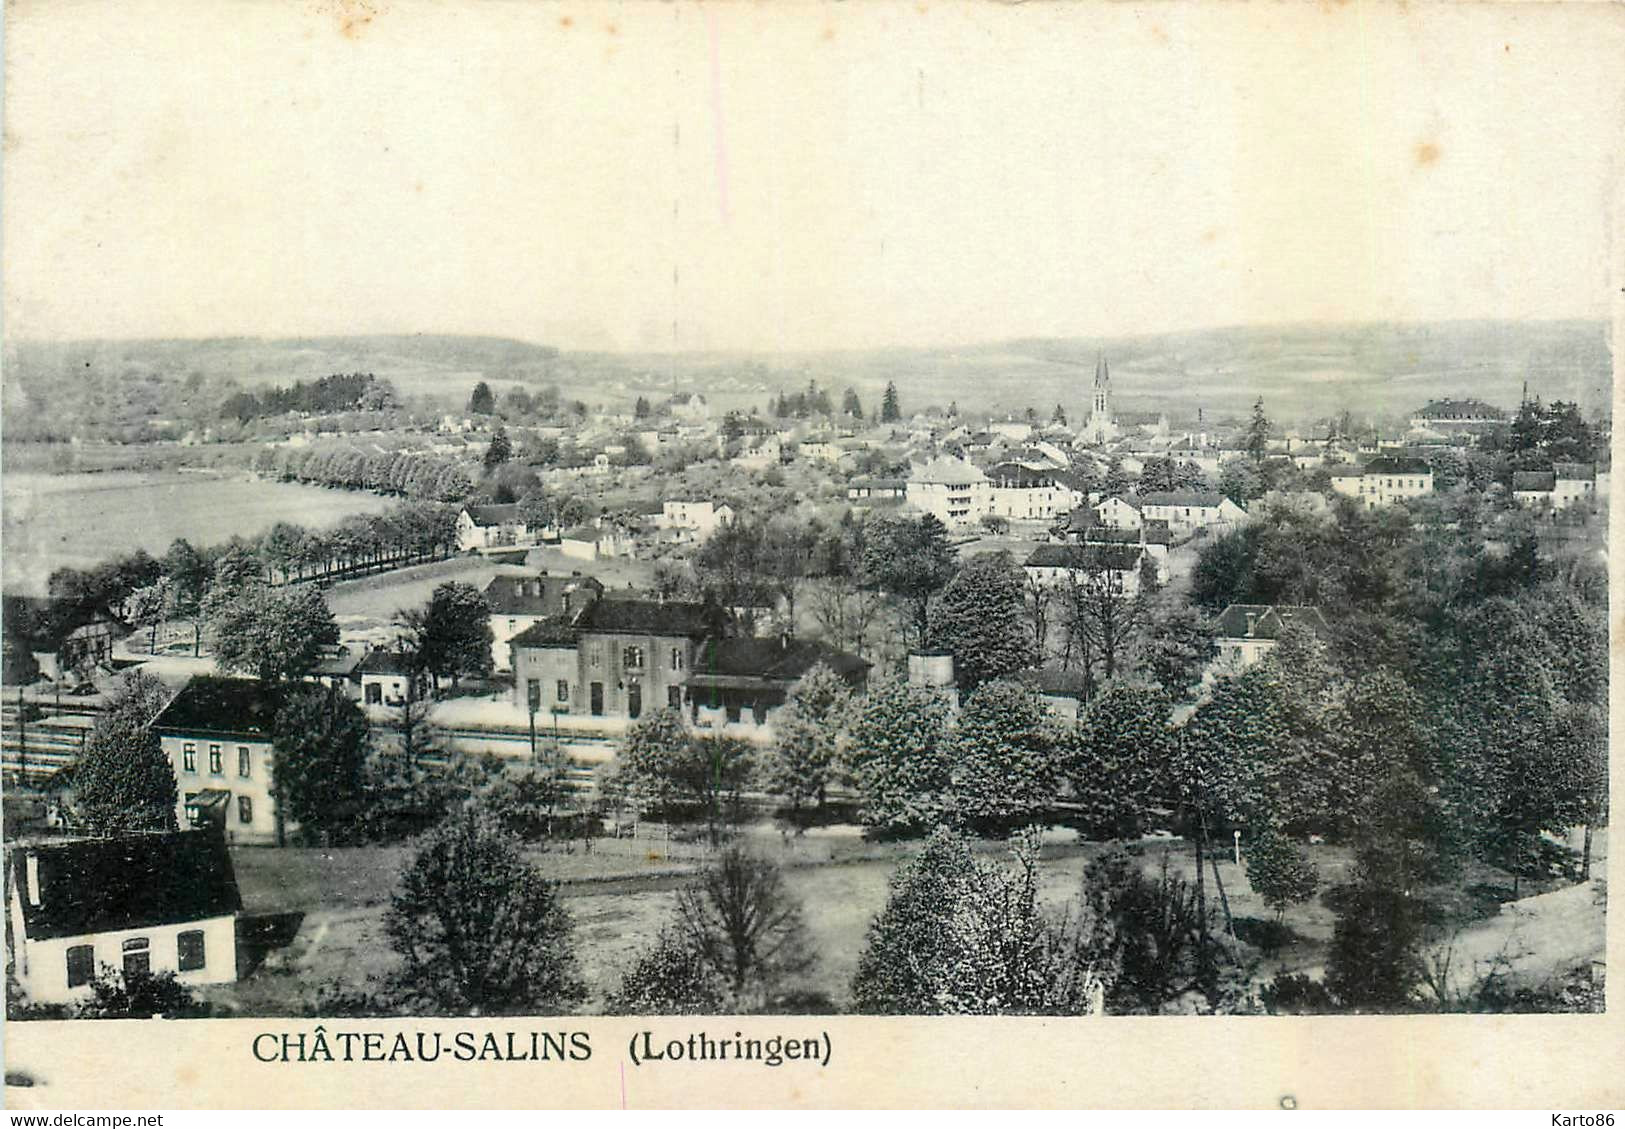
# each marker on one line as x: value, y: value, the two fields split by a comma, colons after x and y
x: 137, y: 904
x: 956, y: 492
x: 1186, y: 511
x: 1384, y: 480
x: 613, y: 658
x: 217, y: 734
x: 1019, y: 492
x: 520, y: 602
x: 1248, y: 632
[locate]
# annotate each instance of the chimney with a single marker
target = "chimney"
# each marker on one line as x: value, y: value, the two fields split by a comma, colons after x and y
x: 32, y: 866
x: 1252, y: 622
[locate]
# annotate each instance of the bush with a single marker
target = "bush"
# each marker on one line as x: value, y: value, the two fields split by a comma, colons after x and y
x: 1280, y: 871
x: 142, y: 995
x: 668, y: 979
x: 1269, y: 937
x: 1298, y: 995
x: 1374, y: 963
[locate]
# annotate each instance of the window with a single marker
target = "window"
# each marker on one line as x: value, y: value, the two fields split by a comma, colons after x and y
x: 674, y: 697
x: 632, y: 658
x: 243, y: 763
x: 214, y: 760
x: 374, y: 694
x: 563, y: 690
x: 677, y: 658
x: 245, y: 809
x: 81, y: 964
x: 189, y: 757
x: 137, y: 956
x: 592, y: 657
x: 189, y: 950
x: 733, y: 711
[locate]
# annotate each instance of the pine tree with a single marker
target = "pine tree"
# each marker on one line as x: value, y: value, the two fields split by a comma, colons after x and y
x: 889, y: 410
x: 850, y: 405
x: 483, y: 401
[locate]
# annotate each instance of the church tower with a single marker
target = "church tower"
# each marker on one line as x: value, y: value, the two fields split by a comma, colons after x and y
x: 1101, y: 428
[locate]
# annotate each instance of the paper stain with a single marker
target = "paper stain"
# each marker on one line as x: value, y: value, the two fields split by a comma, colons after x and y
x: 566, y: 23
x: 353, y: 16
x: 1427, y: 153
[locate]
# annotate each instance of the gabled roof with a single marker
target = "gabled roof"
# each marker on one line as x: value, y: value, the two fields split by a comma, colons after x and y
x: 1575, y: 472
x: 650, y: 617
x: 385, y: 662
x: 1054, y: 683
x: 948, y: 472
x: 539, y: 595
x: 1534, y: 481
x: 1206, y: 499
x: 210, y: 704
x: 44, y: 623
x: 1268, y: 620
x: 1122, y: 501
x: 774, y: 660
x: 1089, y: 558
x: 1473, y: 409
x: 133, y: 882
x: 1018, y: 476
x: 554, y: 632
x: 486, y: 516
x: 1395, y: 464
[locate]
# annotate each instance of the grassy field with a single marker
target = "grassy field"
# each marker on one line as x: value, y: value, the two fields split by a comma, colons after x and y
x: 81, y: 519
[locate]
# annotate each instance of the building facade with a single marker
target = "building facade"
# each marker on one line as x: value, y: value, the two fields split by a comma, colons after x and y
x: 1385, y: 480
x: 217, y: 735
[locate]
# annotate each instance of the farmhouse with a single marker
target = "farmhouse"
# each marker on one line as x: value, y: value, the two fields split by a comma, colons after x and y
x: 385, y: 678
x: 1565, y: 485
x: 700, y: 519
x: 140, y: 904
x: 1118, y: 513
x: 66, y: 639
x: 488, y: 527
x: 520, y: 602
x: 217, y: 735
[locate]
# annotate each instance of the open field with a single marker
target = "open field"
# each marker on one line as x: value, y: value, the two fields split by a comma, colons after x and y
x: 80, y: 520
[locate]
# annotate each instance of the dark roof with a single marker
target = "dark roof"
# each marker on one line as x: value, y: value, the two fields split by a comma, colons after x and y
x: 134, y: 882
x: 385, y: 662
x: 554, y: 632
x: 775, y: 659
x: 537, y: 595
x: 1157, y: 531
x: 650, y: 617
x: 1020, y: 477
x: 1203, y: 498
x: 505, y: 514
x: 337, y: 661
x: 1393, y: 464
x: 210, y: 704
x: 1575, y: 471
x: 1542, y: 481
x: 1473, y: 409
x: 1268, y: 620
x: 1081, y: 518
x: 1113, y: 558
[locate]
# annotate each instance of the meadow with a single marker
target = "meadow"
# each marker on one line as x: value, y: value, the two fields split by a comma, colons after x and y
x: 78, y: 520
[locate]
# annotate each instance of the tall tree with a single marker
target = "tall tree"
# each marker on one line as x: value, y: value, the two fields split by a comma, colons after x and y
x: 274, y: 634
x: 483, y: 401
x: 743, y: 925
x: 1116, y: 758
x: 1258, y: 433
x: 1006, y: 768
x: 122, y: 779
x: 499, y: 450
x: 911, y: 559
x: 979, y: 617
x: 809, y: 733
x: 319, y: 764
x: 479, y: 930
x: 850, y: 405
x: 451, y: 634
x: 890, y: 412
x: 901, y: 760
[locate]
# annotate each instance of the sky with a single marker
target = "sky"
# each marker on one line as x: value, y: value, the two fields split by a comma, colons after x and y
x: 802, y: 176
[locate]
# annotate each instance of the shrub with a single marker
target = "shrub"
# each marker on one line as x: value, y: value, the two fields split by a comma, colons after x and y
x: 1280, y: 871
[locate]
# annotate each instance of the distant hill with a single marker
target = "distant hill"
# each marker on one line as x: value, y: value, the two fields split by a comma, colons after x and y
x: 1302, y: 372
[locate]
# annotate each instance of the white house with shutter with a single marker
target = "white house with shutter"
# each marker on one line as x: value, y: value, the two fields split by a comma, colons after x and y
x: 956, y: 492
x: 134, y: 904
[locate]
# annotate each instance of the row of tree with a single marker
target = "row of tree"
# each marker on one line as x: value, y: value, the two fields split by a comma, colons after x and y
x: 340, y: 392
x: 415, y: 474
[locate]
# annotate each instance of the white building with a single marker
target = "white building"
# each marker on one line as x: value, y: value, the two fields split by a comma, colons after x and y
x: 698, y: 518
x: 1117, y: 513
x: 1023, y: 493
x: 137, y: 904
x: 1384, y: 480
x: 1565, y: 485
x: 1248, y: 632
x: 1186, y: 511
x: 489, y: 527
x: 956, y: 492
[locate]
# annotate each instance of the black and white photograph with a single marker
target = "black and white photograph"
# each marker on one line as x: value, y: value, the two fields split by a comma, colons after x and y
x: 885, y: 510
